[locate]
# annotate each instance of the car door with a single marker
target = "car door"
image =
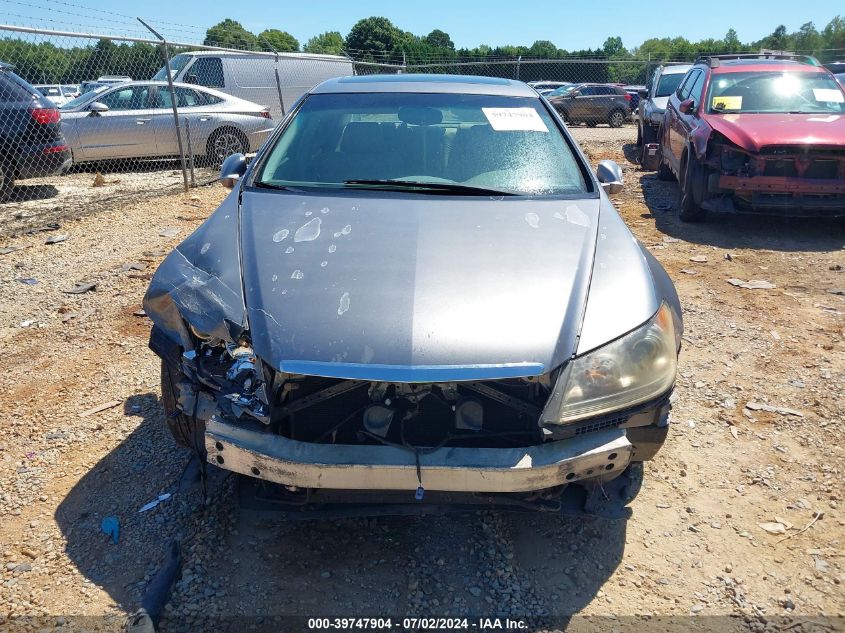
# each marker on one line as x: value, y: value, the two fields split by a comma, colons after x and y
x: 687, y: 122
x: 603, y: 102
x: 582, y: 103
x: 123, y: 131
x: 674, y: 139
x: 197, y: 117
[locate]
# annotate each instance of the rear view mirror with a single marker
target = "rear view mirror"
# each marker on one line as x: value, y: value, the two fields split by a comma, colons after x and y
x: 98, y: 107
x: 420, y: 115
x: 233, y: 168
x: 609, y: 175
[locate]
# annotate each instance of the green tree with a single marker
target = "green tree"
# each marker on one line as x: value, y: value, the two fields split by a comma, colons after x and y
x: 374, y: 36
x: 807, y: 38
x: 613, y: 47
x: 277, y: 40
x: 833, y: 33
x: 732, y: 43
x: 330, y: 42
x: 543, y: 48
x: 230, y: 34
x: 440, y: 39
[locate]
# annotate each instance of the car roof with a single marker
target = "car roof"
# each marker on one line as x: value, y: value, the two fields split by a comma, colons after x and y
x: 764, y: 65
x: 456, y: 84
x: 675, y: 69
x: 268, y: 55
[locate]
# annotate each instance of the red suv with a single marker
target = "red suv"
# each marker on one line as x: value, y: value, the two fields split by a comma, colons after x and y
x: 756, y: 133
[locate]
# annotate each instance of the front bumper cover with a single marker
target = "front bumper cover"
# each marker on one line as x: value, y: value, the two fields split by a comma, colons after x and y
x: 601, y: 455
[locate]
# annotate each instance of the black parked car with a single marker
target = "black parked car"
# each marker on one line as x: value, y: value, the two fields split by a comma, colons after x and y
x: 593, y: 104
x: 31, y: 140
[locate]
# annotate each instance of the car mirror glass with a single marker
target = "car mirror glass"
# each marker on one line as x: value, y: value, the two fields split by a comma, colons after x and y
x: 232, y: 170
x: 609, y: 175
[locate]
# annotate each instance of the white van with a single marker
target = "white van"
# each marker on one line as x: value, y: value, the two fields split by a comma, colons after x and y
x: 252, y: 76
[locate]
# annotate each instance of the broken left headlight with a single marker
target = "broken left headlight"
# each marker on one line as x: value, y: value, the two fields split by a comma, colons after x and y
x: 631, y: 370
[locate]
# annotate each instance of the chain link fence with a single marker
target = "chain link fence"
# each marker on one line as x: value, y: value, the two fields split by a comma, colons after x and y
x: 89, y: 121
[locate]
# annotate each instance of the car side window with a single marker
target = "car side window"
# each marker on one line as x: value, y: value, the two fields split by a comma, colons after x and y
x: 686, y: 86
x: 696, y: 88
x: 655, y: 81
x: 586, y: 91
x: 208, y: 72
x: 185, y: 98
x: 208, y: 99
x: 128, y: 98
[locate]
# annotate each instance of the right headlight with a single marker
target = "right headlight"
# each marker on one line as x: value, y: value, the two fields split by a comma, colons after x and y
x: 631, y: 370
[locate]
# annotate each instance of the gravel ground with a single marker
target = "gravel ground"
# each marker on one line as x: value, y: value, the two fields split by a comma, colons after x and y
x: 755, y: 439
x: 90, y: 189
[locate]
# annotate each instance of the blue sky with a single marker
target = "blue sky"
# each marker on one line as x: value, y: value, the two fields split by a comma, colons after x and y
x: 570, y: 25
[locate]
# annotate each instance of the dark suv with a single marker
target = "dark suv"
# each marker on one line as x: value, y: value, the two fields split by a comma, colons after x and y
x: 31, y: 140
x: 593, y: 104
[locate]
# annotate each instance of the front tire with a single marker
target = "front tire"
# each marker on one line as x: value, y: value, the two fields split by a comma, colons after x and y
x: 187, y: 431
x: 691, y: 185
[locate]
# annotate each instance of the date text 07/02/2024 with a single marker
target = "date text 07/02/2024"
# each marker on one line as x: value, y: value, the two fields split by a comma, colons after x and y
x: 416, y: 624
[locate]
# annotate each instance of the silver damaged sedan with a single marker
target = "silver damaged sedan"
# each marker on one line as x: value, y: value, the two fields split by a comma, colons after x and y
x: 419, y: 296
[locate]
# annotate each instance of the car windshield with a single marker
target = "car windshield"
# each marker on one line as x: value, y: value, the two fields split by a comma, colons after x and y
x: 557, y: 92
x: 506, y: 144
x: 669, y: 84
x: 795, y: 92
x: 83, y: 98
x: 177, y: 63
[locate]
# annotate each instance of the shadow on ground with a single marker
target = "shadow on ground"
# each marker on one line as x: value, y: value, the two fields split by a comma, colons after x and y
x: 740, y: 231
x: 146, y: 464
x: 25, y: 193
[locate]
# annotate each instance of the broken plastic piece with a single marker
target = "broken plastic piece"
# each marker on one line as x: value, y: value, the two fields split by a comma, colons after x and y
x: 81, y: 287
x: 152, y: 504
x: 111, y: 526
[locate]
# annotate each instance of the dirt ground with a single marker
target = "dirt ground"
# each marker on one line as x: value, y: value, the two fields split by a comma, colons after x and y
x: 755, y: 439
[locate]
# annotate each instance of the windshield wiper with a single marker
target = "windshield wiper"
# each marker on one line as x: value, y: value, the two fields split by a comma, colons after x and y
x: 270, y: 185
x: 444, y: 187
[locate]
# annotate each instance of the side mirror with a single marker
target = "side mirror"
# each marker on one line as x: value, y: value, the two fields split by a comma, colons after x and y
x: 643, y: 92
x: 610, y: 176
x: 687, y: 106
x: 98, y: 107
x: 233, y: 168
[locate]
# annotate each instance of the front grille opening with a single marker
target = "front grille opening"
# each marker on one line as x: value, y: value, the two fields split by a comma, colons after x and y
x: 423, y: 416
x: 822, y: 169
x: 782, y: 168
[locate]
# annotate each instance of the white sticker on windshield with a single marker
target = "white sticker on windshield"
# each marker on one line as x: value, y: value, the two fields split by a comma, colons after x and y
x: 515, y: 119
x: 829, y: 95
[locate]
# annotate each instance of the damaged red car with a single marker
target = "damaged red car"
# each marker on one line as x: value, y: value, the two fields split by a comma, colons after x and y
x: 756, y: 133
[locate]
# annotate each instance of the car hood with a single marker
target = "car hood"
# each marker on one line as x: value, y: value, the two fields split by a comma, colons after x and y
x: 659, y: 103
x: 400, y: 287
x: 754, y: 131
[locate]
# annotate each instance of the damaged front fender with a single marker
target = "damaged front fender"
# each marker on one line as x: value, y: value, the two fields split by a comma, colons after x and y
x: 200, y: 282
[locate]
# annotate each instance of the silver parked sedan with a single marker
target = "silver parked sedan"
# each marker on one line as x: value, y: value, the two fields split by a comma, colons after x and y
x: 420, y: 294
x: 135, y: 120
